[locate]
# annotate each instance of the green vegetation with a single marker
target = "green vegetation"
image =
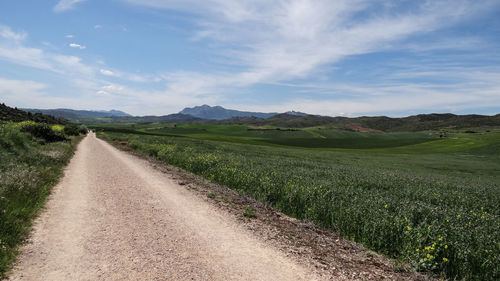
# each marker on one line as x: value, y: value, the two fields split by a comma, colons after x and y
x: 32, y: 156
x: 314, y: 137
x: 13, y: 114
x: 427, y: 201
x: 249, y: 212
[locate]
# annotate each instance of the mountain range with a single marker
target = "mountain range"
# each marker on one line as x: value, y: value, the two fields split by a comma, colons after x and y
x: 219, y: 115
x: 78, y: 115
x: 187, y: 114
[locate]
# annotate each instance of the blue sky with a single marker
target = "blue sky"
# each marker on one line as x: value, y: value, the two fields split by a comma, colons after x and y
x: 343, y: 57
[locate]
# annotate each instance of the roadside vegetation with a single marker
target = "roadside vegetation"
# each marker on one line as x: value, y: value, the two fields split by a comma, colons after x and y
x: 425, y: 200
x: 32, y: 157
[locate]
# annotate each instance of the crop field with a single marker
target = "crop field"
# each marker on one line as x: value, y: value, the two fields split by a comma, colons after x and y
x: 427, y: 201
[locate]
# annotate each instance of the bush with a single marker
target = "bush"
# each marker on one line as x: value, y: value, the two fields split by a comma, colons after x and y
x: 43, y: 132
x: 71, y: 130
x: 11, y: 138
x: 82, y: 129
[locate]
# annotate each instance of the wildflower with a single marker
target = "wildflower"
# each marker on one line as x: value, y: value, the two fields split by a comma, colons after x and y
x: 385, y: 206
x: 446, y: 246
x: 445, y: 259
x: 408, y: 227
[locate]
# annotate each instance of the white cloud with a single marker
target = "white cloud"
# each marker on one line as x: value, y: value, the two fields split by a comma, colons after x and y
x: 70, y: 36
x: 7, y: 33
x: 65, y: 5
x: 31, y: 94
x: 78, y: 46
x: 97, y: 26
x: 113, y: 88
x: 132, y: 77
x: 19, y: 87
x: 13, y: 50
x: 107, y: 72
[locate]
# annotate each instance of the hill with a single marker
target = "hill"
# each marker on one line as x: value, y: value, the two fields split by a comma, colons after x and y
x: 220, y: 113
x: 79, y: 115
x: 8, y: 113
x: 419, y: 122
x: 171, y: 118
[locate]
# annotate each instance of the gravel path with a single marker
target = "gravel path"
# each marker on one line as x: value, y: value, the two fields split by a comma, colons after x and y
x: 114, y: 217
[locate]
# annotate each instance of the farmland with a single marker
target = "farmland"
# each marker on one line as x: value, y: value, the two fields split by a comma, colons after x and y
x: 427, y: 201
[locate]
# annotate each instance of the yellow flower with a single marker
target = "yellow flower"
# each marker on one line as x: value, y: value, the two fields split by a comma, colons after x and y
x: 446, y: 246
x: 445, y: 259
x: 385, y: 206
x: 409, y: 228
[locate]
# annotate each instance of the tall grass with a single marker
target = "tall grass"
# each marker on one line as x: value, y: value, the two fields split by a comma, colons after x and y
x: 28, y: 170
x: 445, y: 224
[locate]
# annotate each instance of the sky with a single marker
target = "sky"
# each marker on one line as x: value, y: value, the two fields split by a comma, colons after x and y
x: 336, y: 58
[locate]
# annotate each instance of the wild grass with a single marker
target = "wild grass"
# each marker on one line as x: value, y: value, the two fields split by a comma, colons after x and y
x: 28, y: 170
x: 438, y: 212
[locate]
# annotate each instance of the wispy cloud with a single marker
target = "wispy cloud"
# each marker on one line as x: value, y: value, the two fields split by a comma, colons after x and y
x: 278, y: 41
x: 77, y: 46
x: 298, y: 47
x: 107, y: 72
x: 7, y: 34
x: 65, y: 5
x: 131, y: 76
x: 13, y: 49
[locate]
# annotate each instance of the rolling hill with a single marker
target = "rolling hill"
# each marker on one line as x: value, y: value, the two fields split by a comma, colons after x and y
x: 219, y: 115
x: 419, y: 122
x: 8, y: 113
x: 79, y: 115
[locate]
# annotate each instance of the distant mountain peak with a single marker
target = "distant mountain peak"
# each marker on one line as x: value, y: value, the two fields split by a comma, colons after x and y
x: 219, y: 113
x: 296, y: 113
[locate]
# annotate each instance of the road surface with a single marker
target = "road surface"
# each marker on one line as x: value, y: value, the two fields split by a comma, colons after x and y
x: 114, y: 217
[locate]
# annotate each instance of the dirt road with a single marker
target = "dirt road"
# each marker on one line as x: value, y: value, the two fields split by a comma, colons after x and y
x: 114, y: 217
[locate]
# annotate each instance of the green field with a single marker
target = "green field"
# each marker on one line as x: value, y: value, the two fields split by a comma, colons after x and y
x: 427, y: 201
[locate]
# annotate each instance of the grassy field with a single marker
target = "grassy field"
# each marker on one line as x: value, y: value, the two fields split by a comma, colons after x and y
x: 29, y: 167
x: 430, y: 202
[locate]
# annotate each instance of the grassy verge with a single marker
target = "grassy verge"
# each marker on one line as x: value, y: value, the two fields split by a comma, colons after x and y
x: 437, y: 212
x: 28, y: 170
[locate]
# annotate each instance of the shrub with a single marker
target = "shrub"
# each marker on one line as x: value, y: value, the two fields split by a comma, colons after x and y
x: 72, y: 130
x: 43, y: 132
x: 82, y: 129
x: 11, y: 137
x: 58, y: 128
